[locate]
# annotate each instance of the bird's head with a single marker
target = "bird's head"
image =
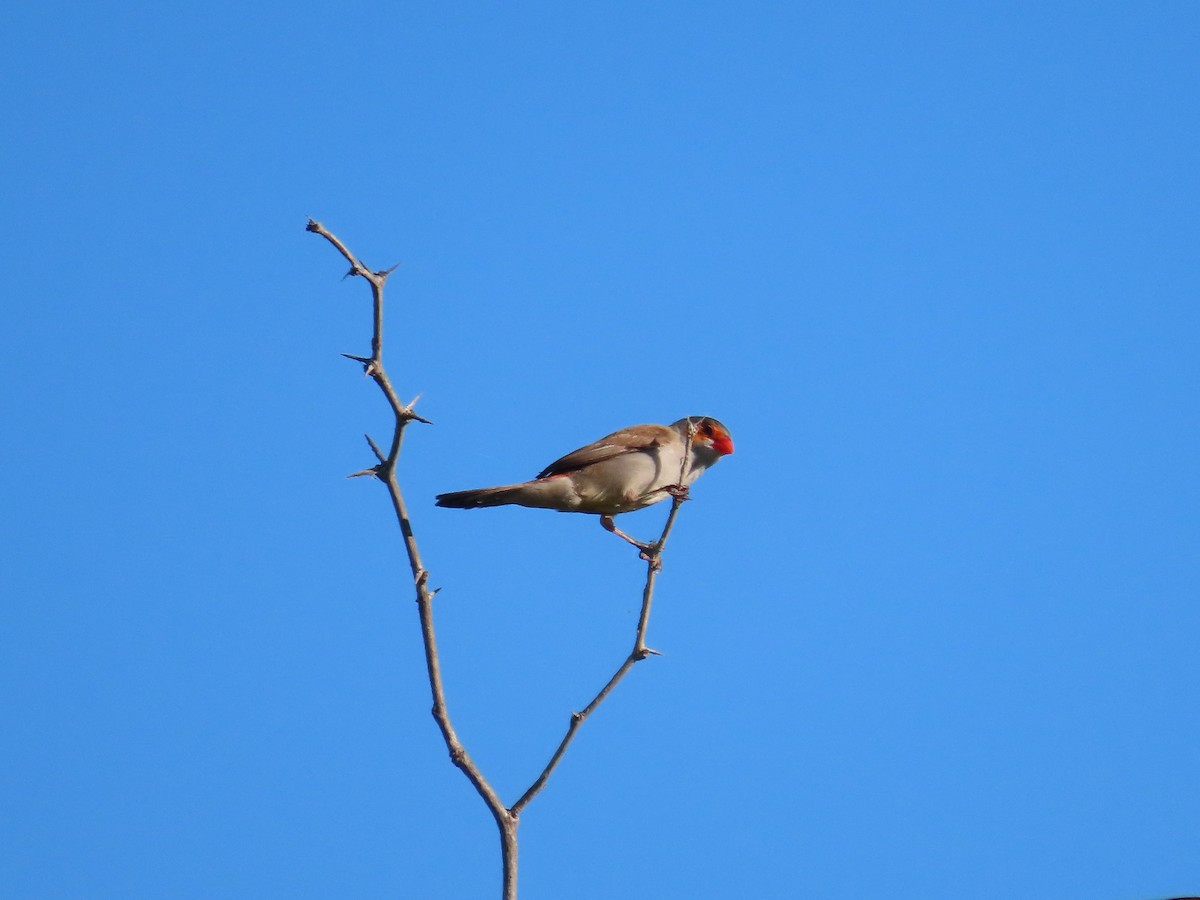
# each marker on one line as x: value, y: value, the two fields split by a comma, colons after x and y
x: 710, y: 438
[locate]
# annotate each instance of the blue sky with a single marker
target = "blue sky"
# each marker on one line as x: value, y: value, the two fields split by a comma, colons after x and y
x: 930, y: 632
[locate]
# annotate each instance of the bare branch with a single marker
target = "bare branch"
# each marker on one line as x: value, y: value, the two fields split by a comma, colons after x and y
x: 386, y: 472
x: 653, y: 557
x: 356, y: 268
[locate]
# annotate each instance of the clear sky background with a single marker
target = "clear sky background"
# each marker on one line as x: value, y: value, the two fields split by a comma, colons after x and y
x: 931, y: 632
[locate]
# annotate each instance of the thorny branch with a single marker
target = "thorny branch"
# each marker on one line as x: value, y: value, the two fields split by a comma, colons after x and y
x: 507, y: 818
x: 385, y: 471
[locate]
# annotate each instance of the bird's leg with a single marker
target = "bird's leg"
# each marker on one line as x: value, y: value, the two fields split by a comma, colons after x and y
x: 611, y: 526
x: 649, y: 552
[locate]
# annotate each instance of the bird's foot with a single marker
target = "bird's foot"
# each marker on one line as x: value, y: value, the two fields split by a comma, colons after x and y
x: 652, y: 554
x: 678, y: 491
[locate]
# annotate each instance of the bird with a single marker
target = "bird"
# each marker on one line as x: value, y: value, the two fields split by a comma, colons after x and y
x: 626, y: 470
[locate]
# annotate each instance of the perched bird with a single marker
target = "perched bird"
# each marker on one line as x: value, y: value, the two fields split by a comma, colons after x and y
x: 627, y: 470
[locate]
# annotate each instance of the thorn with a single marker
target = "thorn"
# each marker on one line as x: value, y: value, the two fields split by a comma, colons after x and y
x: 353, y: 271
x: 434, y: 592
x: 374, y: 470
x: 386, y: 272
x: 375, y: 447
x: 367, y: 364
x: 407, y: 411
x: 652, y: 652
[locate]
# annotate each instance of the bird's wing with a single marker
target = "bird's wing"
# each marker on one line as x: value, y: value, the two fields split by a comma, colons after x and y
x: 635, y: 439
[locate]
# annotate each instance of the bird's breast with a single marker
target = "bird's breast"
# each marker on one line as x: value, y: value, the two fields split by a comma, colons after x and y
x: 628, y: 482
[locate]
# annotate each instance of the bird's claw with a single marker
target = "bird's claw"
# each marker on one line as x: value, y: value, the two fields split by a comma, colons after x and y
x: 652, y: 554
x: 678, y: 491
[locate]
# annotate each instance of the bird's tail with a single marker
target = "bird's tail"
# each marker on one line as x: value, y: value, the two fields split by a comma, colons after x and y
x: 481, y: 497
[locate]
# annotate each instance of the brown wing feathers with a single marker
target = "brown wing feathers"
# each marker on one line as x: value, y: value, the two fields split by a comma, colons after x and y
x: 627, y: 440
